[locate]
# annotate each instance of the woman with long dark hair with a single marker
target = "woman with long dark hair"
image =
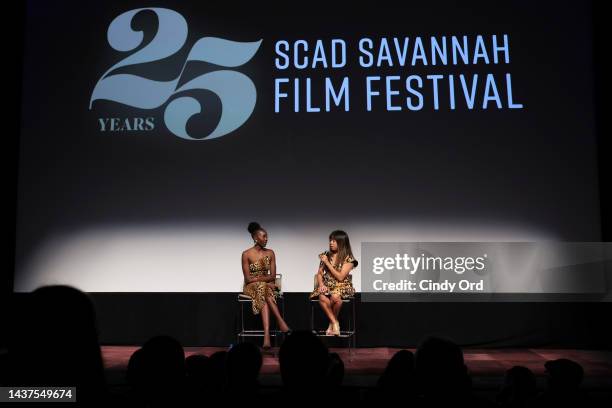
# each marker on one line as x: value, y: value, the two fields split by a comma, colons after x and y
x: 334, y: 280
x: 259, y: 270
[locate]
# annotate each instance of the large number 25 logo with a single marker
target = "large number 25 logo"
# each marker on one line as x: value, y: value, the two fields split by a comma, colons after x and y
x: 235, y: 90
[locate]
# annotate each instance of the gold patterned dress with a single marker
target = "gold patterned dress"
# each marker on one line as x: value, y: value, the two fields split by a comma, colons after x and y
x: 259, y: 291
x: 343, y: 288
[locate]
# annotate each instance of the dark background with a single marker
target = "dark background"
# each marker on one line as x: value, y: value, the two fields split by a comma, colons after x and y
x: 128, y: 318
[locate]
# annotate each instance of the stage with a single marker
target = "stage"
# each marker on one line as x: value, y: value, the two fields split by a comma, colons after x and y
x: 364, y: 365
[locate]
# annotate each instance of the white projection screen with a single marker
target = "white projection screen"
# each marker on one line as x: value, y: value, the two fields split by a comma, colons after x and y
x: 151, y: 137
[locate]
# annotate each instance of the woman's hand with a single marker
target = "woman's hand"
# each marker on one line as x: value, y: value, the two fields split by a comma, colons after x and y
x: 323, y: 289
x: 323, y: 258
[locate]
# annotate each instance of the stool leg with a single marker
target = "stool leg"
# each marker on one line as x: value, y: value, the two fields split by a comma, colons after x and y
x: 354, y: 326
x: 241, y: 321
x: 312, y: 317
x: 352, y: 320
x: 278, y: 333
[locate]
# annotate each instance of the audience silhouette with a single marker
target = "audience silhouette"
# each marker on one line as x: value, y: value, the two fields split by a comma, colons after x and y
x: 62, y: 348
x: 55, y: 343
x: 519, y: 388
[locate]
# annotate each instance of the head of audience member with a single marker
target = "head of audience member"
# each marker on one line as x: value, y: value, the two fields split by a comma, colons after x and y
x: 564, y: 375
x: 519, y: 387
x: 399, y: 373
x: 197, y: 368
x: 217, y: 362
x: 243, y: 364
x: 335, y: 371
x: 163, y: 362
x: 57, y: 341
x: 135, y: 375
x: 440, y: 368
x: 304, y: 361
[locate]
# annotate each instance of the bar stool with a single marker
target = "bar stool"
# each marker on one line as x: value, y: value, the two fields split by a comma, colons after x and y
x: 247, y: 300
x: 350, y: 334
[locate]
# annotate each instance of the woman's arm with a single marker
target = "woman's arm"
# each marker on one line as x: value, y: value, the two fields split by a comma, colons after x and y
x: 245, y: 270
x: 341, y: 274
x: 320, y: 277
x: 271, y: 277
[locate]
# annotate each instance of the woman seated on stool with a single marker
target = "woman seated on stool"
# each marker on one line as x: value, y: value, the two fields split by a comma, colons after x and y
x: 334, y: 281
x: 259, y: 270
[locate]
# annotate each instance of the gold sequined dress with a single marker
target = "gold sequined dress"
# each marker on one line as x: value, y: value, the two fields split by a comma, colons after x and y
x: 259, y: 291
x: 343, y: 288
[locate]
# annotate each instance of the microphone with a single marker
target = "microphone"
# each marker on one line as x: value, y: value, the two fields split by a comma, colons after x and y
x: 326, y: 253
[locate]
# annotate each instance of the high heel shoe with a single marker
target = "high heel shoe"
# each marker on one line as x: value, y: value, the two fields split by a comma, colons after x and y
x: 329, y: 331
x: 336, y: 329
